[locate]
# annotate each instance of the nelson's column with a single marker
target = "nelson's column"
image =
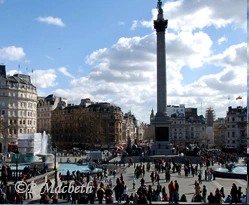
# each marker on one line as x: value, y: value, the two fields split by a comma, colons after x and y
x: 162, y: 121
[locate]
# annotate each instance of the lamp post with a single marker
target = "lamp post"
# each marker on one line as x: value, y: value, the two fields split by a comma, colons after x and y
x: 55, y: 168
x: 17, y: 156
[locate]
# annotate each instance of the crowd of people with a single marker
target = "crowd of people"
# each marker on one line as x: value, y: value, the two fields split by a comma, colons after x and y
x: 110, y: 189
x: 8, y: 176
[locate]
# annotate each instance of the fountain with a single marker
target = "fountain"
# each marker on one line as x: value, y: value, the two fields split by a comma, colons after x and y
x: 46, y: 158
x: 231, y: 171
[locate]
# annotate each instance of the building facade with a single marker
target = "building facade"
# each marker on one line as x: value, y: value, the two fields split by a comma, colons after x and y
x: 176, y: 111
x: 129, y: 128
x: 87, y: 126
x: 187, y: 127
x: 220, y: 130
x: 45, y: 106
x: 236, y: 123
x: 18, y: 103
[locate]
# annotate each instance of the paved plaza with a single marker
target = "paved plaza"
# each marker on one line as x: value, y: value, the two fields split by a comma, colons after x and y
x: 186, y: 183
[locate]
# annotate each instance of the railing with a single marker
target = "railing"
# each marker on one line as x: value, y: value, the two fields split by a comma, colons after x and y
x: 37, y: 179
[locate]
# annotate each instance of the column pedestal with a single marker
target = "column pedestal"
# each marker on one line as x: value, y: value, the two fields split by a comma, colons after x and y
x: 162, y: 145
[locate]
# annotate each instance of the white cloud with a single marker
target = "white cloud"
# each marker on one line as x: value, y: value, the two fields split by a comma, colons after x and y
x: 200, y: 14
x: 235, y: 57
x: 12, y: 72
x: 44, y: 78
x: 121, y: 23
x: 134, y: 25
x: 125, y: 73
x: 65, y: 72
x: 221, y: 40
x: 51, y: 20
x: 12, y: 53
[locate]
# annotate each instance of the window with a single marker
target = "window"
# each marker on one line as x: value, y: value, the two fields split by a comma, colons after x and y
x: 3, y: 112
x: 233, y: 134
x: 11, y: 112
x: 3, y: 104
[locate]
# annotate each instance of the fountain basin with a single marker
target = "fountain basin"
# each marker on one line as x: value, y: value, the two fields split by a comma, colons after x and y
x: 232, y: 172
x: 46, y: 159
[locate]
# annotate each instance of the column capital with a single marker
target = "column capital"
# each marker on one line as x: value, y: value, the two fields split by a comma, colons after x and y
x: 160, y: 25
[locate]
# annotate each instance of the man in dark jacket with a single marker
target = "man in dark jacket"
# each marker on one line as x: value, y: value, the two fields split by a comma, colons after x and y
x: 119, y: 189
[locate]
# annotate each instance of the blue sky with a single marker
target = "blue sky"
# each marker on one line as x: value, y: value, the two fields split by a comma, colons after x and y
x: 106, y: 51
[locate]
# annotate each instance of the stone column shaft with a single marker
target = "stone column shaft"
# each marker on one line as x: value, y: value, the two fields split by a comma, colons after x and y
x: 161, y: 75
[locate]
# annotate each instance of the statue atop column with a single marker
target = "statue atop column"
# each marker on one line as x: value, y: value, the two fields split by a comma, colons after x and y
x: 160, y: 10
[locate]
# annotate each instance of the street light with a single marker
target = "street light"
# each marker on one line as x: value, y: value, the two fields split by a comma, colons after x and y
x: 55, y: 168
x: 17, y: 156
x: 55, y: 151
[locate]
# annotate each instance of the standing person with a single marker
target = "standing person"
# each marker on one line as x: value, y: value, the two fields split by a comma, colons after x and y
x: 119, y: 190
x: 142, y: 181
x: 176, y: 194
x: 110, y: 182
x: 121, y: 178
x: 217, y: 197
x: 222, y: 192
x: 197, y: 189
x: 126, y: 193
x: 100, y: 194
x: 152, y: 176
x: 158, y: 179
x: 234, y: 193
x: 149, y: 194
x: 171, y: 188
x: 134, y: 183
x: 239, y: 193
x: 114, y: 174
x: 200, y: 177
x: 204, y: 193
